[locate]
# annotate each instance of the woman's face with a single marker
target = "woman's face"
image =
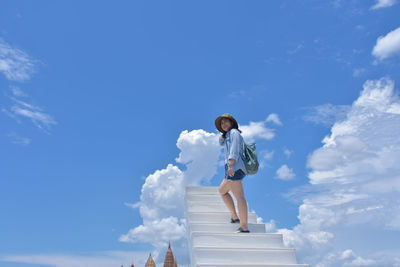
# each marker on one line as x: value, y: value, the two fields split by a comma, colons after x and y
x: 226, y: 124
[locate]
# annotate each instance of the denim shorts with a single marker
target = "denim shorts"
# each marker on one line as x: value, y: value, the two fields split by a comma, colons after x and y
x: 239, y: 174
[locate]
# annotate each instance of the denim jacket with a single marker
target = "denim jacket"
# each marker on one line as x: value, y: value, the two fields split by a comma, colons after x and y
x: 233, y: 148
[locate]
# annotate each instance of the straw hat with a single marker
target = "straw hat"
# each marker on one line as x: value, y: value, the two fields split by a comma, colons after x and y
x: 228, y: 116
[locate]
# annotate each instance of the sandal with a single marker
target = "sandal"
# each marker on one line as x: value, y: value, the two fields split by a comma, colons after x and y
x: 240, y: 230
x: 235, y: 220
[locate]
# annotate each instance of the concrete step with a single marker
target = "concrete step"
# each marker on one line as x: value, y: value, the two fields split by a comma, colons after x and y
x: 213, y: 201
x: 224, y: 227
x: 208, y: 206
x: 252, y: 265
x: 202, y: 190
x: 228, y: 256
x: 207, y: 198
x: 216, y: 217
x: 213, y: 243
x: 236, y: 240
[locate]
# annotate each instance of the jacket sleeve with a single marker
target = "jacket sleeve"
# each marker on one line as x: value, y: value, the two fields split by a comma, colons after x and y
x: 221, y: 140
x: 235, y: 145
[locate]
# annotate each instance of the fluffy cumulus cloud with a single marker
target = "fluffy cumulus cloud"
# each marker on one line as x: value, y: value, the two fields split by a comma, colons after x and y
x: 383, y: 3
x: 388, y: 45
x: 273, y: 117
x: 259, y: 129
x: 285, y: 173
x: 161, y: 204
x: 354, y: 192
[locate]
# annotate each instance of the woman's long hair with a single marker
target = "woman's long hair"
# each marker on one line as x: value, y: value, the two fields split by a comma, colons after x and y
x: 224, y: 133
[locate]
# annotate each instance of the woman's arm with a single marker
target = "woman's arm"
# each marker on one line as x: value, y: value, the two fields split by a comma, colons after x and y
x: 235, y: 146
x: 234, y: 151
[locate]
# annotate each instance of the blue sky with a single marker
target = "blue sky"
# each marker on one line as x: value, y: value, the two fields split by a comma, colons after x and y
x: 98, y: 98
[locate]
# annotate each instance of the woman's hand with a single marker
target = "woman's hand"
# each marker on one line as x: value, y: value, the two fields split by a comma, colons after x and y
x: 230, y: 168
x: 230, y: 171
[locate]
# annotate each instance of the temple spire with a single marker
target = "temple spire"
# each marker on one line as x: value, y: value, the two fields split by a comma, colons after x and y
x: 169, y: 257
x: 150, y: 262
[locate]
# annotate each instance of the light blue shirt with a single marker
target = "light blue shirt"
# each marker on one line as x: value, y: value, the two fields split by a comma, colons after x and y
x: 233, y: 148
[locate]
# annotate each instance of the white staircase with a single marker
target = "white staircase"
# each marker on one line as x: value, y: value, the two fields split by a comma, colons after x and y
x: 213, y: 243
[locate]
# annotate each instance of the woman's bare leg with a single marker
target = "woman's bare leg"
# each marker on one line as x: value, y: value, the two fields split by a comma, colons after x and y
x: 237, y: 190
x: 224, y: 188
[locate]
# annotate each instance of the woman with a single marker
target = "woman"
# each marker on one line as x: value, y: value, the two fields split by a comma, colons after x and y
x: 235, y: 170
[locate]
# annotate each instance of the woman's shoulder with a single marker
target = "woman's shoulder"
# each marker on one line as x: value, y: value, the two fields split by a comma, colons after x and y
x: 234, y: 131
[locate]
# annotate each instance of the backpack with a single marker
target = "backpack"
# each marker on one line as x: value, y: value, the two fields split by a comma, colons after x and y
x: 250, y: 158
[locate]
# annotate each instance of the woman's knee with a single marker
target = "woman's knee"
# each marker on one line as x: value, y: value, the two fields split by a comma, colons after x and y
x: 223, y: 189
x: 220, y: 190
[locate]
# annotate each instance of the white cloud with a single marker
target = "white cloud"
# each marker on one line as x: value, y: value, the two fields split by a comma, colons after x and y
x: 259, y: 130
x: 256, y: 130
x: 388, y: 45
x: 345, y: 258
x: 161, y: 204
x: 34, y: 113
x: 270, y: 227
x: 268, y: 155
x: 265, y: 156
x: 98, y: 259
x: 287, y: 152
x: 171, y: 229
x: 16, y: 139
x: 273, y: 117
x: 299, y: 47
x: 383, y: 3
x: 355, y: 186
x: 326, y: 114
x: 23, y: 109
x: 17, y: 91
x: 285, y: 173
x: 15, y: 64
